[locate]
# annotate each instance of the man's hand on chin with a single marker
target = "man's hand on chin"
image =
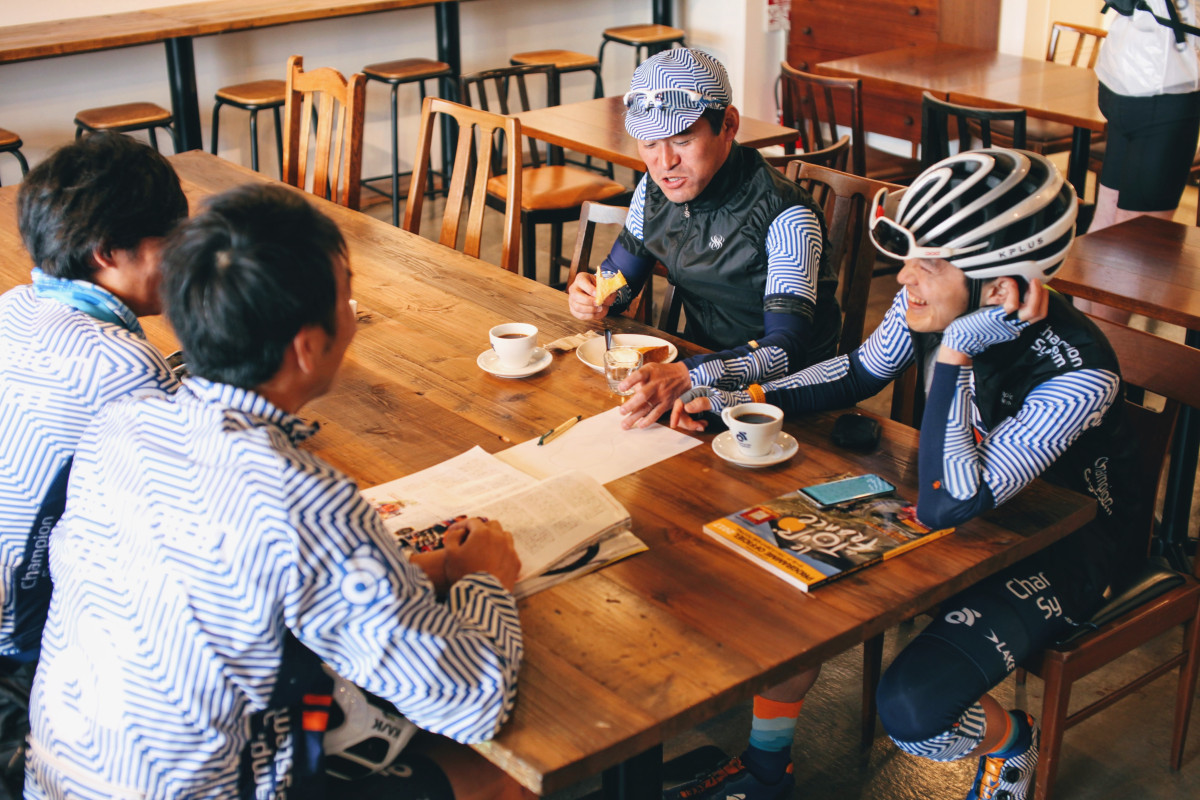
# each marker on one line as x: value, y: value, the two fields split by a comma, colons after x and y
x: 656, y: 387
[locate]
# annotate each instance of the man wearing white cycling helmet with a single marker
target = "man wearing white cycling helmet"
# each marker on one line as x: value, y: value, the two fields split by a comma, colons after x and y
x: 1018, y: 385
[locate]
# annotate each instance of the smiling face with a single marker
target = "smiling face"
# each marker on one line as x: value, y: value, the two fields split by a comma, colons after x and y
x: 684, y: 164
x: 937, y: 294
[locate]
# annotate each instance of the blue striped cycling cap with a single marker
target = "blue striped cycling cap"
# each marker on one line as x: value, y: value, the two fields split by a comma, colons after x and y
x: 671, y: 90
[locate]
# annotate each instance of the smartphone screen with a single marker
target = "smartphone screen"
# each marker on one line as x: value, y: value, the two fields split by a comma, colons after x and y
x: 834, y: 492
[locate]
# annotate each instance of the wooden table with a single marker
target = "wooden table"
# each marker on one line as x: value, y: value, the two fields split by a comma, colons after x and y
x: 978, y: 77
x: 618, y: 661
x: 176, y: 26
x: 597, y: 128
x: 1151, y: 267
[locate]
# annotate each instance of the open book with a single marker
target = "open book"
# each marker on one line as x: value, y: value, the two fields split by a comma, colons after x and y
x: 808, y: 546
x: 565, y: 525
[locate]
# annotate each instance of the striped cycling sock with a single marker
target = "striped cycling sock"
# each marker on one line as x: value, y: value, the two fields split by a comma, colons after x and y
x: 771, y: 733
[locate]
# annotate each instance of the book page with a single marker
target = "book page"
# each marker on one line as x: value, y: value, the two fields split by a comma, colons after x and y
x: 445, y: 490
x: 599, y: 447
x: 555, y: 517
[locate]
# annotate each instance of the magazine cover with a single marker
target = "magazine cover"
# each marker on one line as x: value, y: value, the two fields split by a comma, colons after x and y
x: 808, y: 546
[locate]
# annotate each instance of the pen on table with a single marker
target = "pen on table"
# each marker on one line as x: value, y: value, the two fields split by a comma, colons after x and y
x: 555, y: 431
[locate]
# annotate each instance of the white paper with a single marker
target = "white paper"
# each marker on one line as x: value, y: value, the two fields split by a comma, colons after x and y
x: 599, y: 447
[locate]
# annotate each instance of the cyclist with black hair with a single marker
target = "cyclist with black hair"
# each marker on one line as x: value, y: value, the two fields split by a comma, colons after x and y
x: 1017, y: 385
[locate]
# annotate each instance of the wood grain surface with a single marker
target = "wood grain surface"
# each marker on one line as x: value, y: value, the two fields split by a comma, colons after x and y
x: 620, y: 660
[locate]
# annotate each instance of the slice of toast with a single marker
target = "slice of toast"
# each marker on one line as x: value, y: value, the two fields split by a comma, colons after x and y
x: 607, y: 284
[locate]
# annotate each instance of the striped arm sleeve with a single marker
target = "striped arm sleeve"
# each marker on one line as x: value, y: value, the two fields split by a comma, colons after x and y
x: 961, y: 477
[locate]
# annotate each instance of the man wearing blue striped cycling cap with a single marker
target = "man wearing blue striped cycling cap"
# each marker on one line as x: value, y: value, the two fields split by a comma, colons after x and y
x: 743, y: 246
x: 670, y: 91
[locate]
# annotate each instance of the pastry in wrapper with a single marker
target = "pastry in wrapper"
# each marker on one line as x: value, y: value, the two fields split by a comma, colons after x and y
x: 607, y: 283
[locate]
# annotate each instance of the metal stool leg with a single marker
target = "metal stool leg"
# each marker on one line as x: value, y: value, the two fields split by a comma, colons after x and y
x: 279, y: 140
x: 254, y: 139
x: 24, y: 163
x: 396, y: 160
x: 153, y: 138
x: 216, y: 125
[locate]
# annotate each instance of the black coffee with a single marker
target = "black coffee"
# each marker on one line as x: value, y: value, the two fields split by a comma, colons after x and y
x: 754, y: 419
x: 511, y: 335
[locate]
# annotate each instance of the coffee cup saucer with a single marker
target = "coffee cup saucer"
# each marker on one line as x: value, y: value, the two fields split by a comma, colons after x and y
x: 727, y: 448
x: 489, y: 362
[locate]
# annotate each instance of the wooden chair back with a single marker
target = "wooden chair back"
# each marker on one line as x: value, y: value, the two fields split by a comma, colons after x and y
x: 1087, y: 41
x: 817, y: 105
x: 592, y: 215
x: 322, y: 97
x: 846, y: 202
x: 835, y: 156
x: 472, y: 160
x: 500, y: 98
x: 935, y: 126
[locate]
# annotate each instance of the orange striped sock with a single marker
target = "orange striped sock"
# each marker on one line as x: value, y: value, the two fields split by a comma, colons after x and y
x: 771, y: 733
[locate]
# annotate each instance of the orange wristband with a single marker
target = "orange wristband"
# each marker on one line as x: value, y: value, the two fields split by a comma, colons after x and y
x: 756, y: 393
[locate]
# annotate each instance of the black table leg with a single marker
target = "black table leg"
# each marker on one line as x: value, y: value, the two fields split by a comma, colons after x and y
x: 1081, y: 143
x: 185, y: 104
x: 637, y: 778
x: 1181, y: 479
x: 449, y: 51
x: 662, y: 12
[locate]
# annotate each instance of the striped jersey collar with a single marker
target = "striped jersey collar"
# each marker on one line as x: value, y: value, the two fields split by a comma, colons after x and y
x: 253, y: 408
x: 93, y: 300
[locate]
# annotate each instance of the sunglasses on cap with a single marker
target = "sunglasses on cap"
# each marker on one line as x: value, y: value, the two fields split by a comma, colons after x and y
x: 893, y: 239
x: 639, y: 101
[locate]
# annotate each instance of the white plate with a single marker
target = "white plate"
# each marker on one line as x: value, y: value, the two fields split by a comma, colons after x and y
x: 488, y: 361
x: 591, y: 352
x: 727, y: 448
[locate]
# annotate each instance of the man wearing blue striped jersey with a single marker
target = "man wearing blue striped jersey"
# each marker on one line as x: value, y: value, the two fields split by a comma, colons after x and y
x: 744, y: 246
x: 92, y: 217
x: 1018, y: 385
x: 206, y: 566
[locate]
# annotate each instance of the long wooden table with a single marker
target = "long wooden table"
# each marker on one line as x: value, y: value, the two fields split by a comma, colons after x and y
x: 1151, y: 267
x: 979, y: 77
x: 597, y: 128
x: 623, y: 659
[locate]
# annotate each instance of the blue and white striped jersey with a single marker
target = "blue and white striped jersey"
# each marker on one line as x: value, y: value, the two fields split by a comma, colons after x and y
x: 58, y: 367
x: 196, y: 536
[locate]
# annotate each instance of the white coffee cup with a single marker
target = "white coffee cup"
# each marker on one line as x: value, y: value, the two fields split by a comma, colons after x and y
x: 755, y: 426
x: 514, y: 343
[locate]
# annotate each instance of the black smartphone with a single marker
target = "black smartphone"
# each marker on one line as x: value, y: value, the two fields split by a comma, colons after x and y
x: 846, y: 489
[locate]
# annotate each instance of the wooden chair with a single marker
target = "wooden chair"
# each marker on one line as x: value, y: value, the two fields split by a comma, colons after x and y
x: 845, y: 200
x: 1044, y: 136
x: 472, y: 123
x: 127, y: 118
x: 835, y: 156
x: 819, y: 107
x: 648, y: 38
x: 550, y: 193
x: 592, y: 215
x: 935, y: 127
x: 11, y: 143
x: 1156, y: 599
x: 337, y: 160
x: 253, y: 97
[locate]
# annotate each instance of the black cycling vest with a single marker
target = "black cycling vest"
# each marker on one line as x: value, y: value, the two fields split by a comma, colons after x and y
x: 714, y: 249
x: 1101, y: 462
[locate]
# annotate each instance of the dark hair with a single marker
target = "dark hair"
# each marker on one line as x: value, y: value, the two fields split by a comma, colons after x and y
x: 715, y: 118
x: 242, y: 278
x: 104, y: 192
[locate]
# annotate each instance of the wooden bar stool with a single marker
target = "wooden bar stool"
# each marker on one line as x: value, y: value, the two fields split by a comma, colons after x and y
x: 650, y: 38
x: 395, y: 74
x: 11, y: 143
x: 126, y: 118
x: 254, y: 96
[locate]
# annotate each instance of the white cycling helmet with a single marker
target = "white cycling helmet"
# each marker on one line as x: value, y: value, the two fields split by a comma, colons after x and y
x: 991, y: 213
x: 365, y: 734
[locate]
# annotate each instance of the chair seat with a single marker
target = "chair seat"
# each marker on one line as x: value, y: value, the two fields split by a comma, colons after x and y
x: 553, y: 187
x: 889, y: 167
x: 644, y: 34
x: 126, y: 115
x: 563, y: 60
x: 407, y: 69
x: 263, y: 94
x: 8, y: 139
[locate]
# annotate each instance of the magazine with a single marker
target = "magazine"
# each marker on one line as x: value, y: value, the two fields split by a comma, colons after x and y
x: 563, y: 526
x: 808, y: 546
